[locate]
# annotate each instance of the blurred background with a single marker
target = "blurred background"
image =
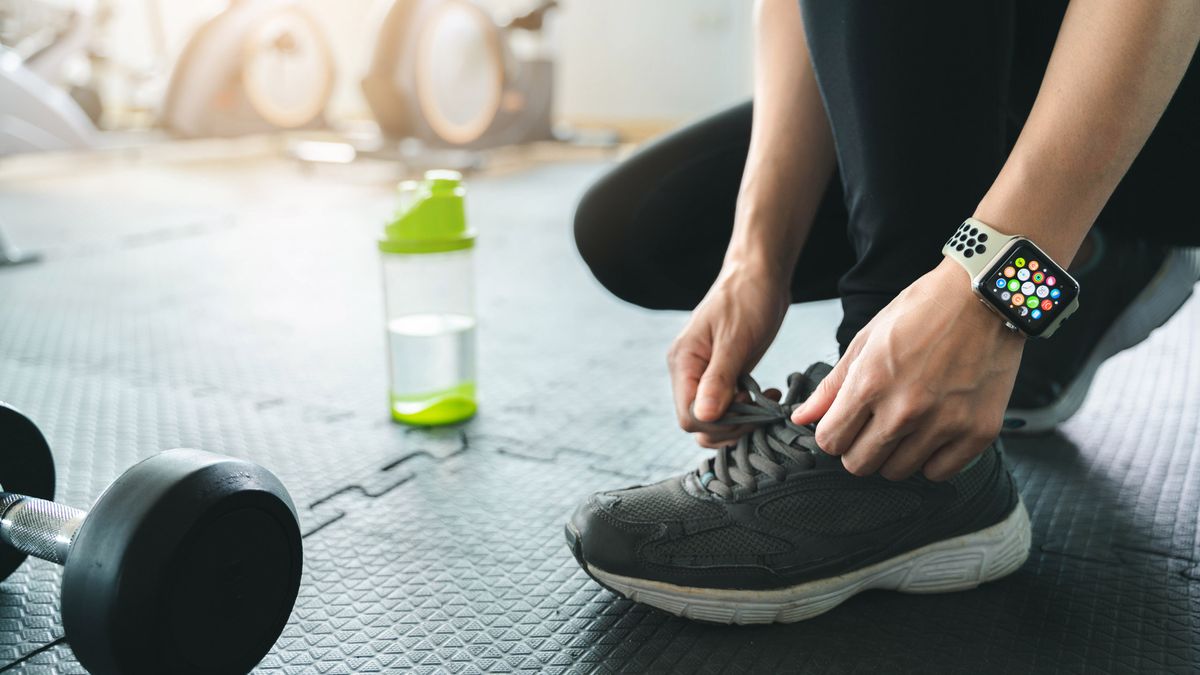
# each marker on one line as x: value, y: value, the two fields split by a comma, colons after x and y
x: 456, y: 73
x: 239, y: 160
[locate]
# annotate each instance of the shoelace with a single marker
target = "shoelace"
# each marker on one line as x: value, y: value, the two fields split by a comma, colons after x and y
x: 766, y: 448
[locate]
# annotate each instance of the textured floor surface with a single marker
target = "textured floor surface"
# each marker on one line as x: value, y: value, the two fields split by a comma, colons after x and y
x: 238, y: 310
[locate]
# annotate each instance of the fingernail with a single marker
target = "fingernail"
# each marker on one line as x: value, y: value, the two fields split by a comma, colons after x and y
x: 706, y: 406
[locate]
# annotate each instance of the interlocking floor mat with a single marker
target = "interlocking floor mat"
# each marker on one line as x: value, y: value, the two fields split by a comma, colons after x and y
x: 245, y: 318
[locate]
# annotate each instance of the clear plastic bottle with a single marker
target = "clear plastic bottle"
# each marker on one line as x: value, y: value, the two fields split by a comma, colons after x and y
x: 429, y: 294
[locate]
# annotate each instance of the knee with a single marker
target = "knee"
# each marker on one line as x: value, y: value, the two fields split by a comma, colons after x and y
x: 600, y: 234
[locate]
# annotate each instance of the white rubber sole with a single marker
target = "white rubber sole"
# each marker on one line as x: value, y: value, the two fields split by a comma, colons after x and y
x: 955, y: 564
x: 1158, y: 302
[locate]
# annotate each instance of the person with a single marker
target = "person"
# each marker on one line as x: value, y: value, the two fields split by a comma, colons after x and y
x: 875, y: 130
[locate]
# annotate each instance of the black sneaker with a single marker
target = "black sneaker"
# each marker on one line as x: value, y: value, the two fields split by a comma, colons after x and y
x: 1127, y: 289
x: 774, y: 530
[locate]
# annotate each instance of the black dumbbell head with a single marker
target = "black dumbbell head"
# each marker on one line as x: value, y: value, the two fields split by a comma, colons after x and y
x: 189, y: 563
x: 26, y: 468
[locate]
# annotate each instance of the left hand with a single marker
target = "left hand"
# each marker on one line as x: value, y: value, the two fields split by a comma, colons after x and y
x: 923, y: 386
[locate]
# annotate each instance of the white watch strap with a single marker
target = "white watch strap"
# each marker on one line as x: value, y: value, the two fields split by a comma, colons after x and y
x: 974, y: 245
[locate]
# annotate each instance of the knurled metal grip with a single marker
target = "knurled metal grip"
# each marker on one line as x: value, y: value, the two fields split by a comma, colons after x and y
x: 38, y: 527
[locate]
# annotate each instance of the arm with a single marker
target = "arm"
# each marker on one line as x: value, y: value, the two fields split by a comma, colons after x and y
x: 925, y: 384
x: 791, y: 146
x: 1114, y: 68
x: 788, y: 166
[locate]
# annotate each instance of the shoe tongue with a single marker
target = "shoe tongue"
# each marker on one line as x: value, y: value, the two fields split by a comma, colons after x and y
x: 817, y: 372
x: 802, y: 385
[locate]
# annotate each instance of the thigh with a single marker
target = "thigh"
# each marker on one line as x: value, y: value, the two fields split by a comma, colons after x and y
x: 916, y: 95
x: 655, y: 228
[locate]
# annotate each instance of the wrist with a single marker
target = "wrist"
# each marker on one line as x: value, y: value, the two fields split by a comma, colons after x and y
x: 1023, y: 202
x: 753, y: 257
x: 953, y: 284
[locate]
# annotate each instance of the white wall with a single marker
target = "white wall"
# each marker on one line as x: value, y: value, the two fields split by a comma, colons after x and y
x: 619, y: 60
x: 653, y: 59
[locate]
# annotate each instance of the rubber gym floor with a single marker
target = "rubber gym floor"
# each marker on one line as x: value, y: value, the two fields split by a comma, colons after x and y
x: 237, y: 308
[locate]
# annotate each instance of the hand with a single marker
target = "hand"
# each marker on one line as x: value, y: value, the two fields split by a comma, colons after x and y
x: 923, y: 386
x: 728, y: 333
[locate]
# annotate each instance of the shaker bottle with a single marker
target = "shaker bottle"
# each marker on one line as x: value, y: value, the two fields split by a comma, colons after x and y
x: 426, y: 253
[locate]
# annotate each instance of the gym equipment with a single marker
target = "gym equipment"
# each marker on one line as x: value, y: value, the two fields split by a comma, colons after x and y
x: 189, y: 563
x: 10, y: 255
x: 34, y: 114
x: 444, y: 72
x: 257, y: 66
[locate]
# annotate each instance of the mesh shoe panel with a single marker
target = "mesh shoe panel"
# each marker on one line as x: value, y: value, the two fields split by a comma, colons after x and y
x: 842, y: 511
x: 724, y: 542
x: 661, y: 501
x: 978, y: 477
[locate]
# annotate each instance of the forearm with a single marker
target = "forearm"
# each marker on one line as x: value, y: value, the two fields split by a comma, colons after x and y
x: 1114, y: 69
x: 791, y: 155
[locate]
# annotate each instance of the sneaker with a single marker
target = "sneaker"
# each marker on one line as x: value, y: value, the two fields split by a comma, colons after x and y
x: 774, y: 530
x: 1128, y: 289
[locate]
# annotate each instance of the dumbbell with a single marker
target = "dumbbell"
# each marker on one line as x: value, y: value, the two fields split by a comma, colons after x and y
x: 189, y: 563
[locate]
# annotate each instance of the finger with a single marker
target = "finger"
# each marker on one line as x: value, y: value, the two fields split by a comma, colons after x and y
x: 722, y: 437
x: 717, y: 385
x: 773, y: 394
x: 911, y: 454
x: 716, y: 436
x: 871, y: 448
x: 840, y: 427
x: 950, y: 459
x: 819, y: 403
x: 686, y: 368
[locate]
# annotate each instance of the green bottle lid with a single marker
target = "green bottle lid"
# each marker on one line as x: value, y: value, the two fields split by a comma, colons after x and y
x: 430, y: 217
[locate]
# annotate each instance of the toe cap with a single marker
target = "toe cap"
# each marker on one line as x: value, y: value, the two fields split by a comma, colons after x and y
x: 604, y: 540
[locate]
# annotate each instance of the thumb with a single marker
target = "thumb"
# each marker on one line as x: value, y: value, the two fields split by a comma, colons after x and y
x: 717, y: 386
x: 815, y: 406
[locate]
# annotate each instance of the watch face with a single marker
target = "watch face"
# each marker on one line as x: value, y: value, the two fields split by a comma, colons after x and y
x: 1028, y: 288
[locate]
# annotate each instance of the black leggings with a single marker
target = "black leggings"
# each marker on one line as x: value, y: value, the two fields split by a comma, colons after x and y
x: 925, y: 101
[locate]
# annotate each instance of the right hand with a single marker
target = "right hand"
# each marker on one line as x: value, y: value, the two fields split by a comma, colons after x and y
x: 728, y: 333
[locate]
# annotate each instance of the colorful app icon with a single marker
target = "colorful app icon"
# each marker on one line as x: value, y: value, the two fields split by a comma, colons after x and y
x: 1027, y: 288
x: 1006, y: 296
x: 1033, y: 265
x: 1032, y: 302
x: 1050, y: 281
x: 1054, y: 293
x: 1035, y: 314
x: 1018, y: 299
x: 1013, y: 285
x: 1024, y: 311
x: 1023, y: 275
x: 1010, y: 271
x: 1000, y: 283
x: 1043, y: 291
x: 1038, y: 277
x: 1046, y: 304
x: 1019, y: 262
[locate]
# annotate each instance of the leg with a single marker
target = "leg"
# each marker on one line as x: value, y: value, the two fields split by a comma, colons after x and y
x: 1134, y: 278
x: 655, y: 228
x: 915, y: 95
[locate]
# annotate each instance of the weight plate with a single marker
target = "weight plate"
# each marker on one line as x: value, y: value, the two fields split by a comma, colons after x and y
x: 26, y: 467
x: 189, y: 563
x: 459, y: 72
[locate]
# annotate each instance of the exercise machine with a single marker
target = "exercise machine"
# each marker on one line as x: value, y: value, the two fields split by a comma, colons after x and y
x: 35, y: 115
x: 444, y: 72
x: 189, y: 563
x: 257, y: 66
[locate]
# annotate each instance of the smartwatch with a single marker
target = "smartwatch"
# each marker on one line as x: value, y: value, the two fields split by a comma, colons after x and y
x: 1015, y: 278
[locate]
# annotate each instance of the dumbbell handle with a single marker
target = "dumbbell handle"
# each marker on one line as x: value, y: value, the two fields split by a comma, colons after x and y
x: 38, y: 527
